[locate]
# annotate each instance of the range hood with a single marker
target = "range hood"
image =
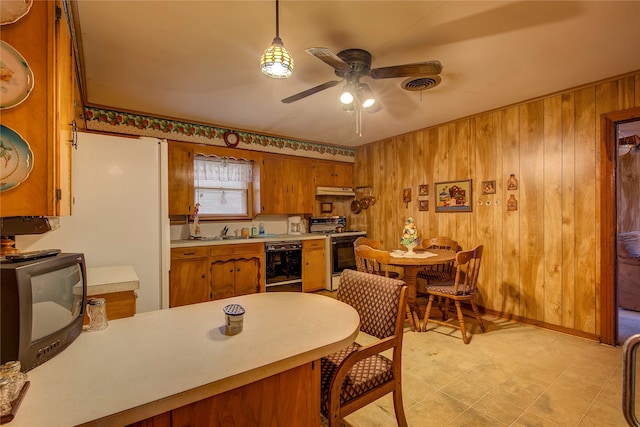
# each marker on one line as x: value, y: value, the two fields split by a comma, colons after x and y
x: 335, y: 191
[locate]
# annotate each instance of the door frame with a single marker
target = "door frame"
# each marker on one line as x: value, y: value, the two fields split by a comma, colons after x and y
x: 608, y: 222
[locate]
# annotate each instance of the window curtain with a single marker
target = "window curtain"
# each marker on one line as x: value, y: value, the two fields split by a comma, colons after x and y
x: 220, y: 172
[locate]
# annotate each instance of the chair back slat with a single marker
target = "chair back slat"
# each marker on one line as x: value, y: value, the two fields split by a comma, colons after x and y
x: 375, y: 244
x: 467, y: 270
x: 370, y: 260
x: 442, y: 242
x: 445, y: 243
x: 375, y: 298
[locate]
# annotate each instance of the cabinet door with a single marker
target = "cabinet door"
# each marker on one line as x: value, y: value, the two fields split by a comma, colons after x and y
x: 180, y: 161
x: 286, y: 187
x: 189, y: 281
x: 42, y: 38
x: 247, y: 276
x: 223, y: 278
x: 313, y: 265
x: 333, y: 174
x: 272, y: 185
x: 301, y: 194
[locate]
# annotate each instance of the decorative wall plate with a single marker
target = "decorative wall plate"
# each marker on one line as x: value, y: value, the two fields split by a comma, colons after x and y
x: 16, y: 78
x: 16, y: 158
x: 12, y: 10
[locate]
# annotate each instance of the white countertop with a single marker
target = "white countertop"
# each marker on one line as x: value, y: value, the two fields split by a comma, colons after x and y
x: 157, y: 361
x: 234, y: 241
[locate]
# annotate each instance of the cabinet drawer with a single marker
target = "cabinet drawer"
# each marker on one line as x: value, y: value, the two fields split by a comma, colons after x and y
x: 256, y: 249
x: 190, y: 252
x: 313, y: 244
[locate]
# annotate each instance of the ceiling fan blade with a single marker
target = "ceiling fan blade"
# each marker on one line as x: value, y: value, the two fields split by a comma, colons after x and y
x: 305, y: 93
x: 407, y: 70
x: 328, y: 57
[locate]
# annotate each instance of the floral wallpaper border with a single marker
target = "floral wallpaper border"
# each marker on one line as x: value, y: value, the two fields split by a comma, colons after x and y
x: 141, y: 125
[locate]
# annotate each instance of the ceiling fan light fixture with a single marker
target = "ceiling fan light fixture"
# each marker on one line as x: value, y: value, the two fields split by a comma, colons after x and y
x: 346, y: 97
x: 347, y: 94
x: 367, y: 99
x: 276, y: 62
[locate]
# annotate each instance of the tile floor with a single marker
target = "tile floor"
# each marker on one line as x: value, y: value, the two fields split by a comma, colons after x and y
x: 512, y: 375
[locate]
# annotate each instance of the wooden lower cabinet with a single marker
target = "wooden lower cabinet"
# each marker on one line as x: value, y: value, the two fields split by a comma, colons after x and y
x: 206, y: 273
x: 313, y: 265
x: 235, y: 277
x: 189, y: 281
x: 291, y: 398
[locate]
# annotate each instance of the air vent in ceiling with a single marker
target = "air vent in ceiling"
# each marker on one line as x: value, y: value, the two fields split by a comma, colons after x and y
x: 416, y: 84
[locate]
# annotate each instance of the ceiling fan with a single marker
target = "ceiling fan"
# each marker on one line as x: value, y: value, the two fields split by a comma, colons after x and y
x: 353, y: 64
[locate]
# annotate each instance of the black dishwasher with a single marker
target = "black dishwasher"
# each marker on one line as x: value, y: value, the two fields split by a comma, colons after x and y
x: 283, y: 266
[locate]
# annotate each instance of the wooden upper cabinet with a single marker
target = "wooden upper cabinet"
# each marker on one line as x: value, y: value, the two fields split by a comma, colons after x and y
x: 333, y: 174
x: 180, y: 160
x: 43, y: 119
x: 286, y: 185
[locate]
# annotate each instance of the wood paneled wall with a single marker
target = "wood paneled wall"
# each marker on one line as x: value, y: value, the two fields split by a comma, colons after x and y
x: 542, y: 262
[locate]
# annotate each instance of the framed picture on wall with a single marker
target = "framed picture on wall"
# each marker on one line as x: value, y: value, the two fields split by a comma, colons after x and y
x: 423, y: 190
x: 453, y: 196
x: 488, y: 187
x: 423, y: 205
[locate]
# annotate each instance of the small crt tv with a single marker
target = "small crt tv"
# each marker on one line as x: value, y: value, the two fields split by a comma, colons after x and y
x: 42, y: 305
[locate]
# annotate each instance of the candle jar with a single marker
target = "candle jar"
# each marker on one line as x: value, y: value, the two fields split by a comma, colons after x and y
x: 97, y: 312
x: 16, y: 379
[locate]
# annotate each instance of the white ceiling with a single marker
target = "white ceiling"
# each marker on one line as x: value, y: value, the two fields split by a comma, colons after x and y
x: 198, y: 60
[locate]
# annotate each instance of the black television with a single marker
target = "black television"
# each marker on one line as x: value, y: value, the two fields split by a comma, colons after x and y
x: 42, y: 304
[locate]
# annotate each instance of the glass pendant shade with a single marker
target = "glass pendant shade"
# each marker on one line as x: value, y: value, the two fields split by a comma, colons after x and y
x: 276, y: 61
x: 365, y: 95
x: 346, y: 97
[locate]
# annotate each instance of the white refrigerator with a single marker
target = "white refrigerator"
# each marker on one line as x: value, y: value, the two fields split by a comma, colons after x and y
x: 119, y: 213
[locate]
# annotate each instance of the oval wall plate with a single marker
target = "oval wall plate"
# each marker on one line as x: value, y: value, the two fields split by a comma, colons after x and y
x: 16, y: 78
x: 16, y: 159
x: 12, y: 10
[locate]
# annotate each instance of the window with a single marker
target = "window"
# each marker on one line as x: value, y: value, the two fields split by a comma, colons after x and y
x: 223, y: 186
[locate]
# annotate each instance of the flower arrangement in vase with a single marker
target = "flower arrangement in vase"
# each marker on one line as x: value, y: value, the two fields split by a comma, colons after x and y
x: 410, y: 237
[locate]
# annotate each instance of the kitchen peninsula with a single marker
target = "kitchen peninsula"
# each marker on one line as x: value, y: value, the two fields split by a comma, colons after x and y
x: 178, y: 364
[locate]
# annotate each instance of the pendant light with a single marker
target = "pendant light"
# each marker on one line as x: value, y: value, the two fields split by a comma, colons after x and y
x: 276, y: 61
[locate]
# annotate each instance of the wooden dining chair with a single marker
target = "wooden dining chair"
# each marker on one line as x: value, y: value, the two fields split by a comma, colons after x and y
x: 440, y: 271
x: 375, y: 244
x: 463, y: 288
x: 358, y: 375
x: 374, y: 261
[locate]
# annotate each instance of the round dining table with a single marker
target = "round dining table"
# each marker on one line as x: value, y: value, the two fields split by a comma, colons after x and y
x: 411, y: 266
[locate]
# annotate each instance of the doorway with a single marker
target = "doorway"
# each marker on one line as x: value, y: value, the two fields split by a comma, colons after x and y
x: 628, y: 229
x: 609, y: 221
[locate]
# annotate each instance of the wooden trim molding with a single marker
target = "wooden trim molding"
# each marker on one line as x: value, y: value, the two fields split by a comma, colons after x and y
x: 608, y: 222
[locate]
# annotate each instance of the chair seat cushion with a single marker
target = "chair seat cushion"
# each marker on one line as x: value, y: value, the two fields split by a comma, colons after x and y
x: 434, y: 275
x: 445, y: 288
x: 363, y: 376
